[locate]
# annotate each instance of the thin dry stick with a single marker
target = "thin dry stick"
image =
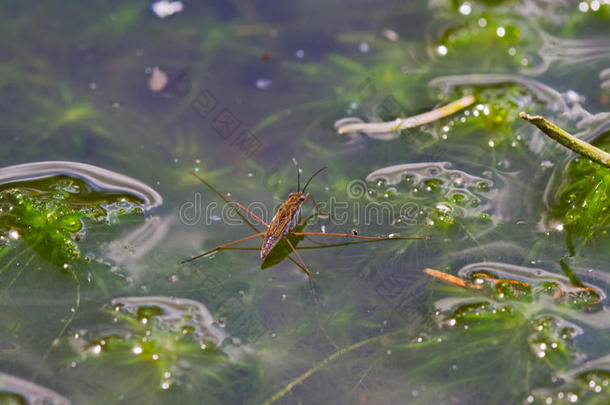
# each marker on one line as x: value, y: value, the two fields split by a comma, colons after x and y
x: 409, y: 122
x: 318, y: 366
x: 569, y: 141
x: 448, y: 278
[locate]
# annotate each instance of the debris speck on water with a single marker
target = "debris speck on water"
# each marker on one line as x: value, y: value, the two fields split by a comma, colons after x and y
x: 157, y: 80
x: 391, y: 35
x: 263, y: 84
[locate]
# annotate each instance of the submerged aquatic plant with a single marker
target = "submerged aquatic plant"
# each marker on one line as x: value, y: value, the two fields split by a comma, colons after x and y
x: 511, y: 316
x: 170, y: 343
x: 581, y: 203
x: 49, y: 214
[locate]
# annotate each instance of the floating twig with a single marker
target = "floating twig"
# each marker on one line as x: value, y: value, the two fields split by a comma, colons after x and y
x: 569, y: 141
x: 448, y: 278
x: 403, y: 123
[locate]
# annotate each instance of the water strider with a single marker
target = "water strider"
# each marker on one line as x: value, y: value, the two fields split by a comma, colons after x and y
x: 283, y: 223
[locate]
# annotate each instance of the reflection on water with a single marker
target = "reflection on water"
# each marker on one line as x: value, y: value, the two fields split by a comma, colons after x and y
x: 566, y: 52
x: 531, y: 276
x: 457, y: 194
x: 179, y: 313
x: 14, y: 390
x: 130, y: 249
x: 96, y: 176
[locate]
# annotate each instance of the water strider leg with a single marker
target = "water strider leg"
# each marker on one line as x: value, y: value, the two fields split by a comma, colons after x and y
x: 231, y: 201
x: 349, y: 235
x: 308, y: 195
x: 304, y: 268
x: 223, y: 246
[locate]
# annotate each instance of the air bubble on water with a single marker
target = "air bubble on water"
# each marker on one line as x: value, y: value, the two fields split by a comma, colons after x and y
x: 595, y: 5
x: 583, y: 6
x: 165, y: 8
x: 465, y: 8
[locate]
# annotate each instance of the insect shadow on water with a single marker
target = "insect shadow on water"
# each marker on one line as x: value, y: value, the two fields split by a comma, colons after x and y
x: 283, y: 226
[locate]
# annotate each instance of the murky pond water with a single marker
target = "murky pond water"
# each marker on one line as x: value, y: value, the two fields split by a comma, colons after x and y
x: 108, y: 107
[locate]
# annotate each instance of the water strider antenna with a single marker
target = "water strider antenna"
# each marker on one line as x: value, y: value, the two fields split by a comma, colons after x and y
x: 312, y: 176
x: 296, y: 164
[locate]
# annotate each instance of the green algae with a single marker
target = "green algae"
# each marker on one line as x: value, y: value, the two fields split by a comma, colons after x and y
x: 50, y: 214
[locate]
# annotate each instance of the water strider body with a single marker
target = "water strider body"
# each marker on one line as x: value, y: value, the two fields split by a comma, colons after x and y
x: 286, y: 217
